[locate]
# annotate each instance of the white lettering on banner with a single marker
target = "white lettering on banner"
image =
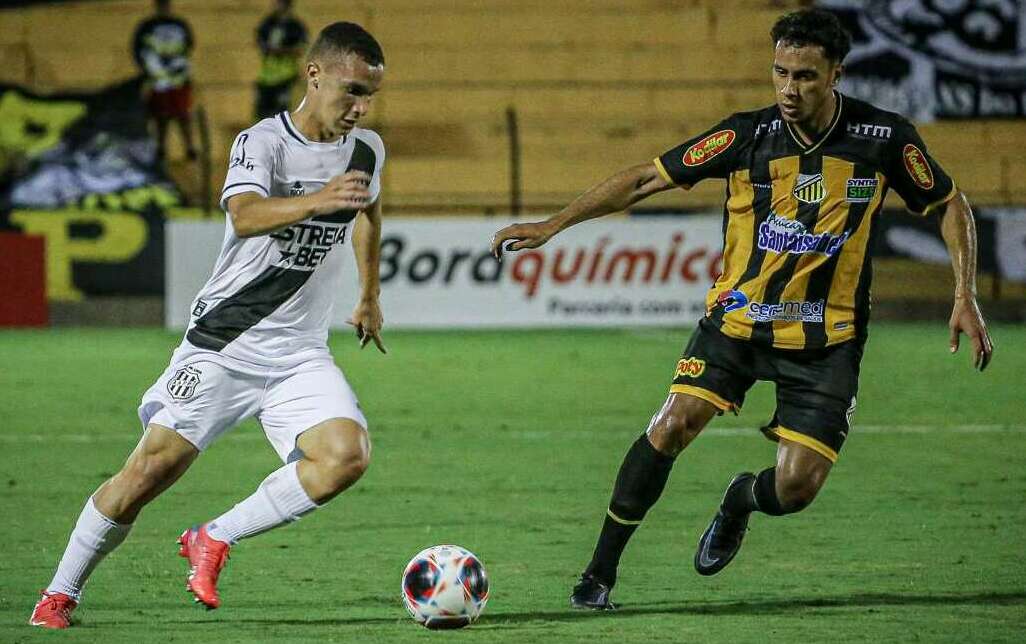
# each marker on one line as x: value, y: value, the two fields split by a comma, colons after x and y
x: 438, y: 273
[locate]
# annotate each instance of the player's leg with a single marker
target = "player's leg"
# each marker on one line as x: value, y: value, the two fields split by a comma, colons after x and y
x: 639, y: 484
x: 159, y: 459
x: 815, y: 401
x: 315, y: 424
x: 328, y: 458
x: 707, y: 382
x: 788, y: 487
x: 182, y: 108
x: 161, y: 123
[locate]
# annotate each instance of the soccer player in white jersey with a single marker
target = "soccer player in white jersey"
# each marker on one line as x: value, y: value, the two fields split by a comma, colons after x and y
x: 300, y: 186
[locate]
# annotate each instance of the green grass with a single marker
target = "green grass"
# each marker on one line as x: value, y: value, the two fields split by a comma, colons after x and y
x: 507, y: 443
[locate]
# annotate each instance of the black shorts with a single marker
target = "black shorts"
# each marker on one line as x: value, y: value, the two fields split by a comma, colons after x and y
x: 815, y: 387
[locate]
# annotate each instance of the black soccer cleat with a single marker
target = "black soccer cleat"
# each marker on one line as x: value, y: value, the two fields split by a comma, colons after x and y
x: 591, y: 594
x: 722, y: 539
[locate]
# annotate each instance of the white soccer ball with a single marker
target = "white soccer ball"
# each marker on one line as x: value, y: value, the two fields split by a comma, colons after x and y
x: 445, y: 587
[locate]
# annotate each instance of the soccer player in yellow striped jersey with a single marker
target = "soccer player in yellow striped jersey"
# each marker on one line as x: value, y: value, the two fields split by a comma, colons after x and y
x: 806, y: 178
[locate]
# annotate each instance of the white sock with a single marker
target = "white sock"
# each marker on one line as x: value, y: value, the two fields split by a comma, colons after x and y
x: 93, y: 538
x: 280, y: 499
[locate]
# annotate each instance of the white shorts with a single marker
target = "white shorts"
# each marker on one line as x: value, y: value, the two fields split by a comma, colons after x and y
x: 202, y: 396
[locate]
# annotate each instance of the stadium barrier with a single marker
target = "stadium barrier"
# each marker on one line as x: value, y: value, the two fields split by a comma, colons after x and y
x: 438, y: 273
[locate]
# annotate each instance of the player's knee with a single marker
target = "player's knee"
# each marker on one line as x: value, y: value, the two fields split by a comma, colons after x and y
x: 671, y: 432
x: 345, y: 463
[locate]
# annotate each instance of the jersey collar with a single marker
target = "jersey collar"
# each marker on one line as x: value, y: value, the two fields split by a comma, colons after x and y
x: 810, y: 147
x: 290, y: 127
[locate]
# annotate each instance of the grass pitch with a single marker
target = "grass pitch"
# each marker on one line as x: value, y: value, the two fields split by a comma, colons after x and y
x: 508, y: 443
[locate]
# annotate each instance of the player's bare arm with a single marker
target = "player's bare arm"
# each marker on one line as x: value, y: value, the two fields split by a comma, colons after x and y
x: 254, y: 215
x: 367, y: 318
x: 959, y: 231
x: 617, y: 193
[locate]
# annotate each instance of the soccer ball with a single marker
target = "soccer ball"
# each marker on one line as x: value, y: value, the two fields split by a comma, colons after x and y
x: 445, y: 587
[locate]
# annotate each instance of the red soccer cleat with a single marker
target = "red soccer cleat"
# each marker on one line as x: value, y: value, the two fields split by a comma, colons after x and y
x: 207, y: 557
x: 53, y: 610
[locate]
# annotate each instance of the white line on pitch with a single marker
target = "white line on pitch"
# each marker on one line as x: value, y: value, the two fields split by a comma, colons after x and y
x: 545, y: 434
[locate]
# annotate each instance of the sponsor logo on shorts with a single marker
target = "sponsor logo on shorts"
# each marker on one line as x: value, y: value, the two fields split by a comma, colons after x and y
x: 790, y: 311
x: 851, y: 411
x: 689, y: 368
x: 781, y: 235
x: 709, y: 147
x: 183, y: 385
x: 199, y: 308
x: 809, y: 188
x: 297, y: 190
x: 861, y: 190
x: 918, y: 168
x: 731, y: 300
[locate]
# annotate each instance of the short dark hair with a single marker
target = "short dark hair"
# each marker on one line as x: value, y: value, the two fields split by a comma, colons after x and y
x: 813, y: 27
x: 340, y: 38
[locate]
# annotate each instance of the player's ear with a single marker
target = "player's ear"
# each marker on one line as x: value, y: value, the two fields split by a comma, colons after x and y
x: 313, y: 74
x: 838, y: 71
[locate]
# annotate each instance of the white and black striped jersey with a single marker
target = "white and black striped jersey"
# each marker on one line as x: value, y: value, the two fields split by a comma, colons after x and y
x: 270, y: 298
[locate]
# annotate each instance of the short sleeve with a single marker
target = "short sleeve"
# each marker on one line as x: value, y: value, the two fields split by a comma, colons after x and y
x: 250, y: 167
x: 914, y: 174
x: 378, y: 146
x: 710, y: 155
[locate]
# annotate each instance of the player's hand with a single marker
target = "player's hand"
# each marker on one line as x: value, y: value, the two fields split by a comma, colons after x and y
x: 523, y: 236
x: 367, y: 320
x: 966, y: 318
x: 349, y: 191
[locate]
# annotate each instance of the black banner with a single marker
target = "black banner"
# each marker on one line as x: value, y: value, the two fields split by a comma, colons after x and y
x: 930, y: 59
x: 80, y: 169
x: 1000, y: 232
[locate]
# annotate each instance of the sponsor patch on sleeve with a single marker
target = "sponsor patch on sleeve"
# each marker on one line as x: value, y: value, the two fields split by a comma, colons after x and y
x: 917, y: 166
x: 708, y: 148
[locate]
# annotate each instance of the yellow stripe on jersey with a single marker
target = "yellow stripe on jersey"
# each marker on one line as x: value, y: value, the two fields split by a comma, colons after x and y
x: 840, y: 309
x: 833, y: 215
x: 740, y: 231
x: 662, y: 172
x: 783, y: 172
x: 939, y: 202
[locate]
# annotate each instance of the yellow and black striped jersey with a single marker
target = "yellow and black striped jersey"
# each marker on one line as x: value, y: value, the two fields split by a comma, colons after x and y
x: 799, y: 218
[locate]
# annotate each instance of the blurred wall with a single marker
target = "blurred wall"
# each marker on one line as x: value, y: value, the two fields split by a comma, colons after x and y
x: 596, y: 84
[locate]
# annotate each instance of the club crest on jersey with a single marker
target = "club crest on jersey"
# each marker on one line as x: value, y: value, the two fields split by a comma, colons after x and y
x: 861, y: 190
x: 809, y: 188
x: 918, y: 168
x: 297, y: 190
x: 709, y: 147
x: 183, y: 385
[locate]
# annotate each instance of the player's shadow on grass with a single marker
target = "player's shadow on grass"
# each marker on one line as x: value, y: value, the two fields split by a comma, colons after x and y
x: 781, y: 606
x: 862, y: 600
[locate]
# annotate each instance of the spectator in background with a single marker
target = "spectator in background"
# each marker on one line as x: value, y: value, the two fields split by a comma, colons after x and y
x: 161, y: 46
x: 281, y: 38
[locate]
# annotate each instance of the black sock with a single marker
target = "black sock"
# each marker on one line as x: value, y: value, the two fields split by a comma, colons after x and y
x: 740, y: 499
x: 766, y: 493
x: 639, y: 483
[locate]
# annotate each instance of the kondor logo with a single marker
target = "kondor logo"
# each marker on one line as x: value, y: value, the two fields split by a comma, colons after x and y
x: 689, y: 368
x: 707, y: 148
x: 918, y: 168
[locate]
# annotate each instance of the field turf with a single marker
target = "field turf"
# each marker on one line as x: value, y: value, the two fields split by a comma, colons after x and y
x: 507, y: 443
